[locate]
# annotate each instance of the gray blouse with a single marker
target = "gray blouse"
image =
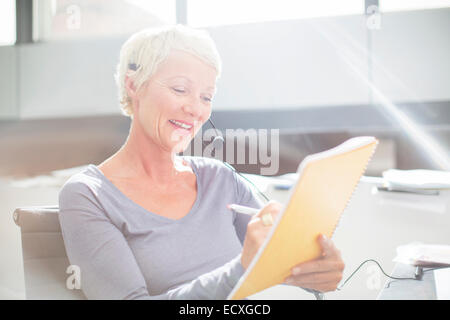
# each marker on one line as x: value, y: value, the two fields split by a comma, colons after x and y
x: 126, y: 252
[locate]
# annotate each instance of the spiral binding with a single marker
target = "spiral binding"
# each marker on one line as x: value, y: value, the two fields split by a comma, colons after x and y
x: 355, y: 188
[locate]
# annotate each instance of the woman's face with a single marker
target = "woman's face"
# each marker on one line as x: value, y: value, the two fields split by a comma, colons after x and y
x: 175, y: 102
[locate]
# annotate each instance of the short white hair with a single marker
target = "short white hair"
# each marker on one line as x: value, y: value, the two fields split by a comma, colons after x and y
x: 141, y: 54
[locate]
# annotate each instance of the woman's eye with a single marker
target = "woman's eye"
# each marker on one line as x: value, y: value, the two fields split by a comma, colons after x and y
x: 183, y: 91
x: 179, y: 90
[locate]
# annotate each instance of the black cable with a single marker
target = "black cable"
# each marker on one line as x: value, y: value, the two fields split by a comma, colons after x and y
x: 379, y: 266
x: 232, y: 168
x: 259, y: 191
x: 242, y: 176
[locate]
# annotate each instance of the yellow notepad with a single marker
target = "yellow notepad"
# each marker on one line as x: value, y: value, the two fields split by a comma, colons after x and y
x: 325, y: 184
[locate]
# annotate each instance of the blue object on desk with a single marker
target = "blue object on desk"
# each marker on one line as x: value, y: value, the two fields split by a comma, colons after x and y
x: 284, y: 186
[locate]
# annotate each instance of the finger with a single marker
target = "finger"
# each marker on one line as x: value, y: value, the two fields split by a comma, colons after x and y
x: 317, y: 277
x: 318, y: 265
x: 272, y: 207
x: 260, y: 227
x: 327, y: 246
x: 268, y: 214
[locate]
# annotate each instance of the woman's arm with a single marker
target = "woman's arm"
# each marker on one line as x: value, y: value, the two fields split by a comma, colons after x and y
x: 108, y: 267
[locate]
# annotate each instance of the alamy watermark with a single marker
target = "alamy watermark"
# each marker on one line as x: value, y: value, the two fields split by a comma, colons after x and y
x: 251, y: 146
x: 74, y: 280
x: 73, y: 21
x: 373, y: 281
x: 373, y: 21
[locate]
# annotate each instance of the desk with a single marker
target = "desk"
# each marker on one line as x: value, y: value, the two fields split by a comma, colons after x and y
x: 372, y: 227
x: 424, y: 289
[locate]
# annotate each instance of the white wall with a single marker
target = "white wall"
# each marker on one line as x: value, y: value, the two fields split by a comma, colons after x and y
x: 411, y: 55
x: 289, y: 64
x: 276, y: 64
x: 8, y: 83
x: 68, y: 78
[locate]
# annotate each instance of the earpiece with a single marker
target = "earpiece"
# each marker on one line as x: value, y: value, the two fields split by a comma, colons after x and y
x: 218, y: 140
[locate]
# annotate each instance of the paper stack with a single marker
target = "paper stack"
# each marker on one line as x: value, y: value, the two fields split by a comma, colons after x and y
x: 426, y: 255
x: 417, y: 181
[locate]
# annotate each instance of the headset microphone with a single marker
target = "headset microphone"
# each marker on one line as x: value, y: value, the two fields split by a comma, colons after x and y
x: 218, y: 140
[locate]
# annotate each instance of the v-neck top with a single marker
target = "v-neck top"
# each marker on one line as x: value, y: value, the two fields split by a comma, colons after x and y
x: 155, y: 215
x: 127, y: 252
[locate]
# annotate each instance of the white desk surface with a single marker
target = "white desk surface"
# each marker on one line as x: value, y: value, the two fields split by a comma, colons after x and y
x: 372, y: 227
x: 442, y: 283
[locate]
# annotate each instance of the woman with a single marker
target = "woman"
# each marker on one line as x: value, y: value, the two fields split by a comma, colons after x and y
x: 148, y: 224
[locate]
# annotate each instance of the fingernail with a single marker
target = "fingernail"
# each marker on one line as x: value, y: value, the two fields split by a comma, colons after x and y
x: 324, y: 237
x: 289, y: 281
x: 296, y: 271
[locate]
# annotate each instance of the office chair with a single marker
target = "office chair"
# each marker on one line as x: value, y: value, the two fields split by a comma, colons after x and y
x: 44, y: 255
x: 45, y: 258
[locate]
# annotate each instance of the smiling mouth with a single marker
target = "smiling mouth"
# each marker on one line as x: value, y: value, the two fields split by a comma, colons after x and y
x: 181, y: 124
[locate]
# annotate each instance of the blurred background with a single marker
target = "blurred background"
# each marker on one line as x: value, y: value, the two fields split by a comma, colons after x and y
x: 319, y: 71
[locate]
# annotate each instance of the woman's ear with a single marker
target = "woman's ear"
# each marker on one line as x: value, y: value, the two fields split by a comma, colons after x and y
x: 129, y: 86
x: 132, y: 94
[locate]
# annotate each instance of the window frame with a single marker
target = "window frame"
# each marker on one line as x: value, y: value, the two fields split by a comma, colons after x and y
x: 32, y: 32
x: 15, y: 26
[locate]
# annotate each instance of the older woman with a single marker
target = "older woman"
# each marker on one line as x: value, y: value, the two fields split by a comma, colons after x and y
x: 148, y: 224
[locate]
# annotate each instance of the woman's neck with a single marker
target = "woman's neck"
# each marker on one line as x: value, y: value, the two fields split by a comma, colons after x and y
x: 144, y: 159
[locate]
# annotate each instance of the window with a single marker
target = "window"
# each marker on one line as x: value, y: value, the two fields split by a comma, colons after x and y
x: 61, y: 19
x: 202, y: 13
x: 7, y: 22
x: 401, y: 5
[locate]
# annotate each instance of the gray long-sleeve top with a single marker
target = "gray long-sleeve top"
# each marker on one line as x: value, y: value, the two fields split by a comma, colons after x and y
x: 127, y: 252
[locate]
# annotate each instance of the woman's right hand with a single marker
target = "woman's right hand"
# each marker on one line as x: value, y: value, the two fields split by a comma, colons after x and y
x: 257, y: 232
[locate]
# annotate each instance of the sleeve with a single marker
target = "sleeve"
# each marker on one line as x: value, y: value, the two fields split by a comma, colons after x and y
x: 216, y: 284
x: 107, y: 264
x: 245, y: 196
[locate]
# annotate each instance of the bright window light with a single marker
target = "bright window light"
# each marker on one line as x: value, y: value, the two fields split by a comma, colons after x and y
x: 401, y: 5
x: 202, y: 13
x: 68, y: 19
x: 7, y: 22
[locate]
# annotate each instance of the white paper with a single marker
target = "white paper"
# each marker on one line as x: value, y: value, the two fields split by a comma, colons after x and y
x: 419, y: 179
x: 423, y: 254
x: 442, y: 282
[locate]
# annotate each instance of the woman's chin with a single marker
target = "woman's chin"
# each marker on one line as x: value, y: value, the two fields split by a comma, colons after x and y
x: 180, y: 146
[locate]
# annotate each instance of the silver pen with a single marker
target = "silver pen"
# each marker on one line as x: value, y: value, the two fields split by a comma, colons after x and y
x: 242, y: 209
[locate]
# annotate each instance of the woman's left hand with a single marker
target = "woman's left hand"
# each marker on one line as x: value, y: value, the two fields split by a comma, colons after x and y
x: 322, y: 274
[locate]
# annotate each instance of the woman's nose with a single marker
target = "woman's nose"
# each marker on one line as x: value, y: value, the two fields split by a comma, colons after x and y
x: 193, y: 107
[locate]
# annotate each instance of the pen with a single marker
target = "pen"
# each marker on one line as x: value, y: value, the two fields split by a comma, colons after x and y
x: 242, y: 209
